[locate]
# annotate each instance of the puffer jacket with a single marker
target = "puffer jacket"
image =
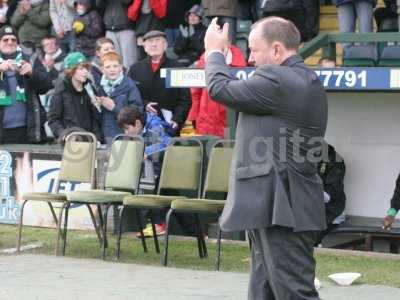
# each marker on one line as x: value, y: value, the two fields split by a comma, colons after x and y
x: 158, y: 7
x: 225, y: 8
x: 126, y: 93
x: 115, y: 14
x: 282, y: 5
x: 33, y: 26
x: 93, y: 30
x: 210, y: 116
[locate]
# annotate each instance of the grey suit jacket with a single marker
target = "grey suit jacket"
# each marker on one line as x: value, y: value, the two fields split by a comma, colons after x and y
x: 282, y: 120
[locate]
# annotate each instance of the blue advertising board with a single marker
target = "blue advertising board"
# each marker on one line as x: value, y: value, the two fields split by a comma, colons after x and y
x: 335, y: 79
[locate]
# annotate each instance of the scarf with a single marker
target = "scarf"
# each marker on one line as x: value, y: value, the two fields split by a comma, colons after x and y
x: 110, y: 85
x: 5, y: 93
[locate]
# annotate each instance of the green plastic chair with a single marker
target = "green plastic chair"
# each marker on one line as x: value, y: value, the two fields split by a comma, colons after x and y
x: 122, y: 179
x: 217, y: 179
x: 77, y: 164
x: 181, y: 171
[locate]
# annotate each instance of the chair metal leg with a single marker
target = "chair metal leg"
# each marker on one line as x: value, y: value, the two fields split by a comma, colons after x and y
x: 104, y: 245
x: 167, y: 221
x: 121, y: 216
x: 200, y: 239
x: 53, y: 213
x: 60, y: 233
x: 142, y: 238
x: 65, y: 227
x: 96, y: 227
x: 20, y: 227
x: 155, y: 238
x: 217, y: 263
x: 101, y: 224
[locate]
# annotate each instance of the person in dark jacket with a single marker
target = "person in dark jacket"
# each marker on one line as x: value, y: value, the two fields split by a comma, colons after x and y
x: 190, y: 42
x: 117, y: 91
x: 389, y: 12
x: 71, y: 105
x: 169, y: 103
x: 88, y: 27
x: 394, y: 206
x: 120, y: 29
x: 21, y: 114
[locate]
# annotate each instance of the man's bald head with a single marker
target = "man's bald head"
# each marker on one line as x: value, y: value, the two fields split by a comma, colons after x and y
x: 276, y: 29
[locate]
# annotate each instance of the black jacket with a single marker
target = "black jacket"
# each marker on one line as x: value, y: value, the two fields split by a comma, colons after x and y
x: 36, y: 84
x: 70, y: 108
x: 115, y: 14
x: 152, y: 88
x: 191, y: 48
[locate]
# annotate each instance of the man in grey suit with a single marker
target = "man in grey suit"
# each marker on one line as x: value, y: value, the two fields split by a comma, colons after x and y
x: 274, y: 190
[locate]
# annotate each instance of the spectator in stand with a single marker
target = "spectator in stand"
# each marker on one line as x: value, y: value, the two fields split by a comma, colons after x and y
x: 3, y: 12
x: 148, y: 15
x: 303, y: 13
x: 32, y: 20
x: 326, y: 62
x: 208, y: 116
x: 21, y: 114
x: 88, y: 27
x: 176, y: 10
x: 62, y: 15
x: 154, y: 131
x: 351, y: 10
x: 227, y: 11
x: 103, y: 46
x: 120, y: 29
x: 394, y: 206
x: 190, y: 42
x: 170, y: 104
x: 117, y: 92
x: 71, y: 107
x: 385, y: 13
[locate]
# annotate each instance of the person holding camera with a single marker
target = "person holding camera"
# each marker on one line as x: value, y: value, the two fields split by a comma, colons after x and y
x: 21, y: 114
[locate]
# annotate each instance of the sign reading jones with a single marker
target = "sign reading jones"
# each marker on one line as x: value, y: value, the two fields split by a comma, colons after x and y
x: 332, y: 79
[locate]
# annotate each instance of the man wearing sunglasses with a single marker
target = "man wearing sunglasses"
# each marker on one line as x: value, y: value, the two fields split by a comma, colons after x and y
x: 21, y: 114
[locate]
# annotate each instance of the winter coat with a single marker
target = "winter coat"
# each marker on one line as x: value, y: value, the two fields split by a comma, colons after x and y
x: 225, y: 8
x: 93, y: 30
x: 125, y: 93
x: 282, y: 5
x: 115, y: 14
x: 342, y: 2
x: 152, y: 88
x: 158, y: 7
x: 36, y: 84
x: 192, y: 47
x: 176, y: 10
x: 62, y: 15
x: 33, y: 26
x: 210, y: 116
x: 70, y: 108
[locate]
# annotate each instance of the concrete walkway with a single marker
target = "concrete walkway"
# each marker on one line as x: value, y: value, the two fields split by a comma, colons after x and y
x: 40, y: 277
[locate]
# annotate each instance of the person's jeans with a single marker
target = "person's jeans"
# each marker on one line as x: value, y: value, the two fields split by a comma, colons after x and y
x: 348, y: 13
x: 67, y: 43
x: 172, y: 34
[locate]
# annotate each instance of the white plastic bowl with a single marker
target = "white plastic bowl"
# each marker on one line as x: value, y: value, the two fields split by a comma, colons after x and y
x: 344, y: 279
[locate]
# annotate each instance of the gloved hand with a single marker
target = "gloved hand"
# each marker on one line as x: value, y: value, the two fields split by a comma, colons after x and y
x: 78, y: 27
x: 186, y: 32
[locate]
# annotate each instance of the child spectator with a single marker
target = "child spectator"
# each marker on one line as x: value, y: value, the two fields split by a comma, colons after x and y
x: 117, y: 91
x: 154, y: 130
x: 88, y: 27
x: 189, y: 44
x: 208, y: 116
x: 71, y: 108
x: 32, y: 20
x: 62, y: 15
x: 103, y: 46
x: 326, y: 62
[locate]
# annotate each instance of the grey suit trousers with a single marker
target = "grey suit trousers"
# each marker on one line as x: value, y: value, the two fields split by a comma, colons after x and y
x: 282, y: 264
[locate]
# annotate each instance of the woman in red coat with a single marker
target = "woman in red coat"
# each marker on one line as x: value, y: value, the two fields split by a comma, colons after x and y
x: 208, y: 116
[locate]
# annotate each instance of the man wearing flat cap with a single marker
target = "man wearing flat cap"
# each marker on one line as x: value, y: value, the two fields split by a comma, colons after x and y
x: 21, y: 114
x: 156, y: 97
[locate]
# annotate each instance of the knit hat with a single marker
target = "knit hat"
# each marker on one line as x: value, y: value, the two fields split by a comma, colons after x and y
x: 196, y: 9
x: 8, y: 30
x: 73, y: 59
